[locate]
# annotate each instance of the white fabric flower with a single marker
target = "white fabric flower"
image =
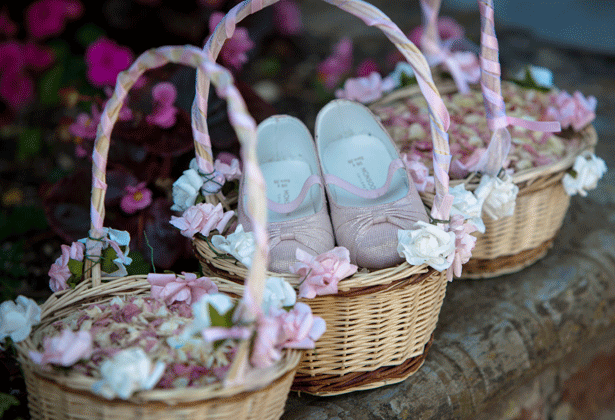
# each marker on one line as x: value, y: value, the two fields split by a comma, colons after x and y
x: 277, y: 294
x: 239, y: 244
x: 186, y: 189
x: 467, y: 205
x: 17, y: 318
x: 542, y: 76
x: 401, y: 69
x: 588, y: 170
x: 128, y: 371
x: 200, y: 310
x: 429, y: 244
x: 497, y: 196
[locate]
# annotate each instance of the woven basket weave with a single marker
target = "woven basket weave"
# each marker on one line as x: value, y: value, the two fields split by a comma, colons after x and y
x: 380, y: 324
x: 55, y: 395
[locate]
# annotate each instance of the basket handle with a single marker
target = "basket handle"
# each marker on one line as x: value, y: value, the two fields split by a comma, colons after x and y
x: 242, y: 122
x: 372, y: 16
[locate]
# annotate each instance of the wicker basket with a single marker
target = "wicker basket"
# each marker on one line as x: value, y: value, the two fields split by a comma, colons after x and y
x: 380, y: 324
x: 511, y: 243
x: 56, y: 395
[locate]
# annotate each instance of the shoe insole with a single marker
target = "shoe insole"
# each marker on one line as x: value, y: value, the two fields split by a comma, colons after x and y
x: 284, y: 180
x: 363, y: 161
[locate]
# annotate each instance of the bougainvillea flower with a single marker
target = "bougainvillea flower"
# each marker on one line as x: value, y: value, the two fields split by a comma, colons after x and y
x: 105, y: 59
x: 287, y: 17
x: 16, y: 88
x: 233, y: 53
x: 7, y: 26
x: 85, y: 124
x: 37, y: 56
x: 46, y: 18
x: 163, y: 114
x: 136, y: 198
x: 334, y: 67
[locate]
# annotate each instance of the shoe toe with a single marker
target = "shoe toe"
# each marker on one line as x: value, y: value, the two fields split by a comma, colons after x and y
x: 377, y: 248
x: 284, y: 255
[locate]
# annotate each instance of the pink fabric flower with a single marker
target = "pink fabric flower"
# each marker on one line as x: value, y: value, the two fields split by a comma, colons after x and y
x: 322, y: 273
x: 46, y: 18
x: 299, y: 328
x: 85, y: 125
x: 448, y: 28
x: 202, y: 218
x: 212, y: 334
x: 59, y: 272
x: 365, y: 89
x: 367, y: 67
x: 460, y: 168
x: 64, y: 350
x: 137, y: 198
x: 287, y: 17
x: 574, y: 111
x: 170, y: 288
x: 233, y: 53
x: 265, y: 351
x: 464, y: 244
x: 105, y: 59
x: 230, y: 171
x: 163, y: 114
x: 334, y: 67
x: 418, y: 172
x: 7, y: 26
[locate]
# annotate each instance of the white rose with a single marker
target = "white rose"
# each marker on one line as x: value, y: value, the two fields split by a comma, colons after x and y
x: 200, y: 309
x: 589, y: 169
x: 277, y: 294
x: 186, y: 189
x: 497, y: 196
x: 239, y: 244
x: 429, y: 244
x: 467, y: 205
x: 17, y: 318
x: 128, y: 371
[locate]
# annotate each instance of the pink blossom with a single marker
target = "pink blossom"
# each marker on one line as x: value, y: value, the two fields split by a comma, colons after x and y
x: 202, y: 218
x: 418, y: 172
x: 212, y: 4
x: 137, y: 198
x: 171, y: 288
x: 448, y: 28
x: 265, y: 351
x: 48, y: 17
x: 230, y: 171
x: 367, y: 67
x: 105, y: 59
x: 59, y: 272
x: 299, y: 328
x: 322, y: 273
x: 7, y: 26
x: 464, y: 244
x: 36, y: 56
x: 163, y: 114
x: 233, y: 53
x: 574, y: 111
x: 85, y: 125
x: 334, y: 67
x: 16, y: 88
x: 287, y: 17
x: 11, y: 56
x: 64, y: 350
x: 365, y: 89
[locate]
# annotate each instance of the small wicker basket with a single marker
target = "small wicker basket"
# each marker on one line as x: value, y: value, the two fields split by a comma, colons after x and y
x: 380, y: 323
x: 53, y: 394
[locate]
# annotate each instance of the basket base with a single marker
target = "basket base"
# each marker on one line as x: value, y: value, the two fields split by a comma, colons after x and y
x: 484, y: 269
x: 329, y: 385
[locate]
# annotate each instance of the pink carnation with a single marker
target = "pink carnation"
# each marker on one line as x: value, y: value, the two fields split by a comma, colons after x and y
x: 299, y: 328
x: 233, y: 53
x: 287, y: 17
x: 322, y: 273
x: 171, y: 288
x: 365, y: 89
x: 230, y: 170
x: 59, y: 272
x: 202, y: 218
x: 46, y: 18
x: 105, y: 59
x: 574, y: 111
x: 163, y: 114
x: 464, y: 244
x: 64, y: 350
x: 418, y: 172
x: 334, y: 67
x: 137, y: 198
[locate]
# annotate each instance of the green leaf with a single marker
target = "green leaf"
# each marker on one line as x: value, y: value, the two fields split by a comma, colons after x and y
x: 139, y: 265
x: 7, y: 401
x: 29, y: 143
x: 528, y: 82
x: 218, y: 320
x: 407, y: 80
x: 108, y: 255
x: 49, y: 85
x: 88, y: 33
x: 75, y: 267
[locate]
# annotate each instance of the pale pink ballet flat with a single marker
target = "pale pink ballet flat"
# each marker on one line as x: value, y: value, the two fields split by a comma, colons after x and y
x: 297, y: 216
x: 370, y: 193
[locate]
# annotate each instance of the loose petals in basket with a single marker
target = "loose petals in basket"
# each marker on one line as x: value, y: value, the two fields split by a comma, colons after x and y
x: 498, y: 196
x: 419, y: 172
x: 128, y: 371
x: 17, y: 318
x: 239, y: 244
x: 584, y: 176
x: 202, y: 218
x: 65, y: 349
x: 170, y: 288
x: 321, y: 274
x: 428, y: 244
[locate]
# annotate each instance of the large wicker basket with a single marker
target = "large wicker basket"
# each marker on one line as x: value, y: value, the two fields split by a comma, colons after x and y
x: 380, y: 324
x: 56, y: 395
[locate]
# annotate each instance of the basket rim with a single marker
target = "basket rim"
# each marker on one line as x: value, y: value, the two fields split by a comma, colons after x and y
x: 137, y: 285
